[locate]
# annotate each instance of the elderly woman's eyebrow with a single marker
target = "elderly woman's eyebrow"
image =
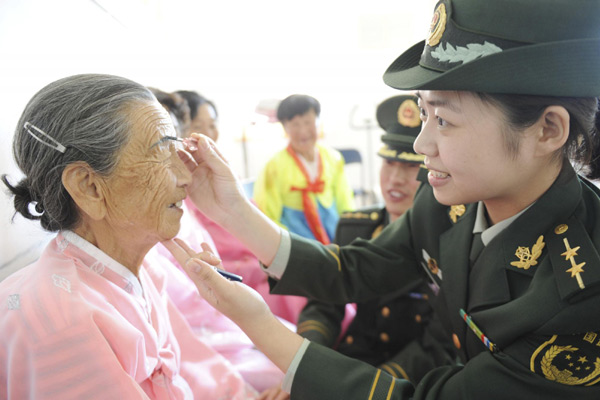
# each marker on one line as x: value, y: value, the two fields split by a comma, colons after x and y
x: 165, y: 138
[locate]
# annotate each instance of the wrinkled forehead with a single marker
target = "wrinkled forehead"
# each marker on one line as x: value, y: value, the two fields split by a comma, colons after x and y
x: 149, y: 122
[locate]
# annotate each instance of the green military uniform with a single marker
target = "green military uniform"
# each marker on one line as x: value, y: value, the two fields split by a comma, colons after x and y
x: 524, y: 316
x: 383, y: 327
x: 534, y: 292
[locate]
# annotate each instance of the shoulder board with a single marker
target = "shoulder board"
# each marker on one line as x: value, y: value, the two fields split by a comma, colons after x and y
x: 359, y: 224
x: 575, y: 261
x: 372, y: 214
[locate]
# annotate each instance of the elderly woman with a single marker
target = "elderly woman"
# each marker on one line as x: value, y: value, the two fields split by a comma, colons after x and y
x: 211, y: 326
x: 91, y: 319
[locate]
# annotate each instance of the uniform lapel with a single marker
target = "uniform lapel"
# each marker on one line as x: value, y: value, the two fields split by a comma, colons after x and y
x: 502, y: 323
x: 488, y: 284
x: 455, y: 244
x: 522, y: 240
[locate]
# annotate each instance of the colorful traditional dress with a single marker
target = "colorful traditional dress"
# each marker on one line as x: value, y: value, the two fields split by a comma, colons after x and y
x: 305, y: 205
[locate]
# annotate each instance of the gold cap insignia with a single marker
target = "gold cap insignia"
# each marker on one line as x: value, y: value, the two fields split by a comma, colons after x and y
x: 374, y: 215
x: 405, y: 156
x: 408, y: 114
x: 457, y: 211
x: 385, y: 151
x: 527, y: 258
x: 438, y: 26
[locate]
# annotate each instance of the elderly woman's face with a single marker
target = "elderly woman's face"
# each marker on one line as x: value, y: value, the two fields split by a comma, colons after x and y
x: 146, y: 190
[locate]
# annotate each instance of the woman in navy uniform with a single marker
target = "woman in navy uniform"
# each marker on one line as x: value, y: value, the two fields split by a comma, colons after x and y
x: 382, y: 329
x: 506, y: 231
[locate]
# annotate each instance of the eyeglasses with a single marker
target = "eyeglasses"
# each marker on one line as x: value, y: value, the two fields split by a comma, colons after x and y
x: 176, y: 144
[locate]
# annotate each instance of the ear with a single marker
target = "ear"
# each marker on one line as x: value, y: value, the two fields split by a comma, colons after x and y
x: 84, y: 186
x: 554, y: 130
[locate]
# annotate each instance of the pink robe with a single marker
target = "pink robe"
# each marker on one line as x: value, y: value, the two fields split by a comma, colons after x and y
x: 78, y: 325
x: 210, y: 325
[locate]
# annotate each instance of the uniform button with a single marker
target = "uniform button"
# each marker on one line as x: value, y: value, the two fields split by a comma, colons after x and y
x: 385, y: 311
x: 456, y: 341
x: 418, y: 318
x: 384, y: 337
x: 349, y: 339
x: 560, y: 229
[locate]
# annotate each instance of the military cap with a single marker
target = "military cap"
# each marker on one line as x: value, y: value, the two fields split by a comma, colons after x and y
x: 399, y: 117
x: 534, y: 47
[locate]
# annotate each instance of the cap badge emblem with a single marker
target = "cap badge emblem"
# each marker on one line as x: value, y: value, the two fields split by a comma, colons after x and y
x: 438, y: 25
x: 408, y: 114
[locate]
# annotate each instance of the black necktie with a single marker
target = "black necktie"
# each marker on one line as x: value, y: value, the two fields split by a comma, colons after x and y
x: 476, y: 248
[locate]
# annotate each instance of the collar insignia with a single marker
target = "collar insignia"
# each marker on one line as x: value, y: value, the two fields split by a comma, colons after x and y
x: 527, y: 258
x: 457, y: 211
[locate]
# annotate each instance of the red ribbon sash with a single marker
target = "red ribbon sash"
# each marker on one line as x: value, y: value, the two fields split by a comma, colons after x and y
x: 309, y: 206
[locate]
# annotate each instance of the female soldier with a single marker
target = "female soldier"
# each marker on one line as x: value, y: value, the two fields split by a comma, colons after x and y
x: 383, y: 331
x: 507, y: 96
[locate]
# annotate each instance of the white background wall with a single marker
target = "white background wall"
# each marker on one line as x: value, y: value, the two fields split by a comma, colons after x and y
x: 234, y: 52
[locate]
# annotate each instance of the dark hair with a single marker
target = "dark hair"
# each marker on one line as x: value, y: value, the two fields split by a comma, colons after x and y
x: 177, y: 106
x: 87, y: 114
x: 194, y: 101
x: 297, y: 104
x: 582, y: 146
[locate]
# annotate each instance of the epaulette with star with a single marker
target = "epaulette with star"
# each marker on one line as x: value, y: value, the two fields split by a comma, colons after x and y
x: 575, y: 261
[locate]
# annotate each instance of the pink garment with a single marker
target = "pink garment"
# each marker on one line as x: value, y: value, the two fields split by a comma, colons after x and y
x: 78, y: 325
x: 238, y: 259
x: 210, y: 325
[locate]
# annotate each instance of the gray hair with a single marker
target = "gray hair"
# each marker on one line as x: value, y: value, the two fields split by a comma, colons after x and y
x: 87, y: 114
